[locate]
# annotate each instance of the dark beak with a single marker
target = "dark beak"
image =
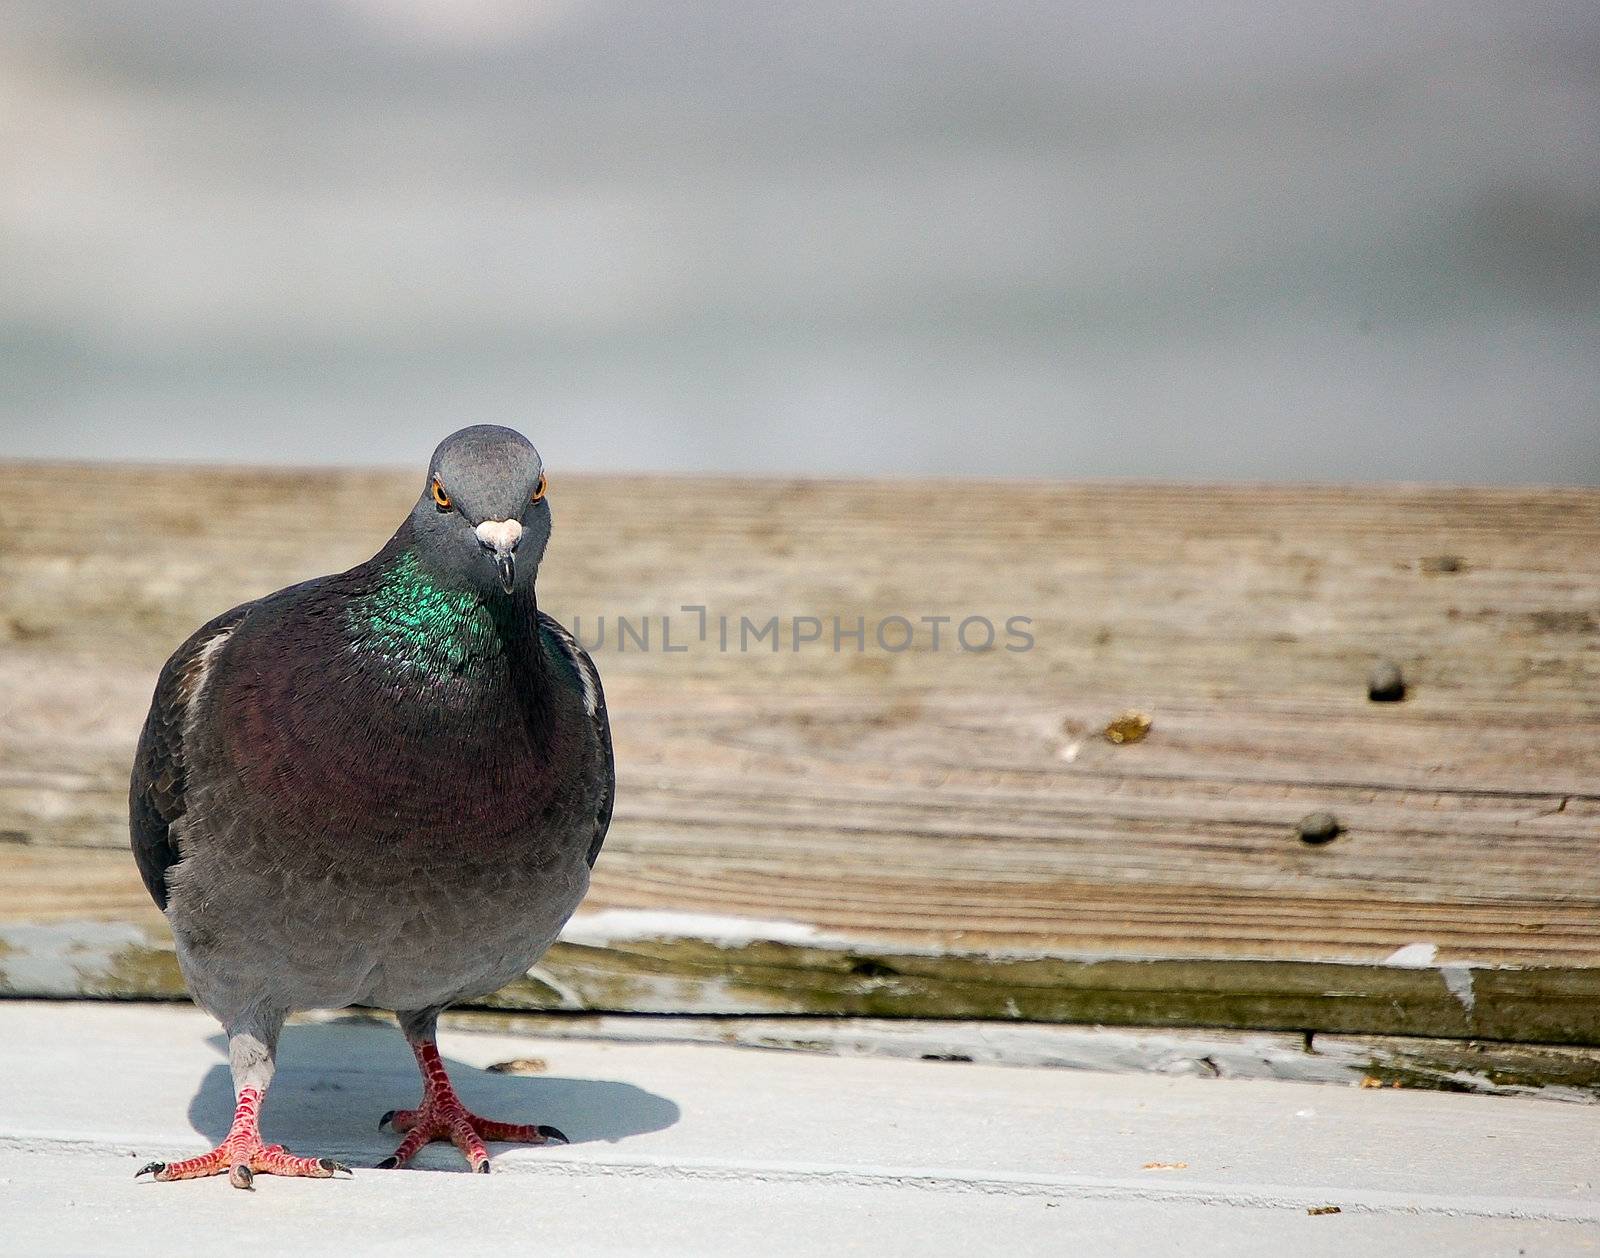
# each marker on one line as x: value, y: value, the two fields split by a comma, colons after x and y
x: 500, y: 538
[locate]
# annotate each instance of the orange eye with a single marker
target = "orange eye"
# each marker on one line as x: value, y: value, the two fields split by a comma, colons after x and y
x: 538, y: 490
x: 440, y: 498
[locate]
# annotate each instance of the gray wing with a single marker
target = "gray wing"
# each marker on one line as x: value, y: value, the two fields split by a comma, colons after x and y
x: 594, y: 702
x: 156, y: 793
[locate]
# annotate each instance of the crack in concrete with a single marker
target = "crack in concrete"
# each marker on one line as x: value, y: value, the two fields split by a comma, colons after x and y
x: 941, y: 1180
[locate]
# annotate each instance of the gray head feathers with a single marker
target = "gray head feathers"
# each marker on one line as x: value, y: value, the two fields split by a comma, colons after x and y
x: 481, y: 521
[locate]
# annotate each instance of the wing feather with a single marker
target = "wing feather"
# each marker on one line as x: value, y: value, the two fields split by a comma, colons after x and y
x: 594, y: 702
x: 156, y: 794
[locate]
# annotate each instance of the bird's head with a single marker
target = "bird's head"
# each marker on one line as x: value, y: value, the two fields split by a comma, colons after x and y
x: 482, y: 520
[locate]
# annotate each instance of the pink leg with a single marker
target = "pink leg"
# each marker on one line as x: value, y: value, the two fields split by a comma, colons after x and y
x: 242, y: 1155
x: 442, y: 1116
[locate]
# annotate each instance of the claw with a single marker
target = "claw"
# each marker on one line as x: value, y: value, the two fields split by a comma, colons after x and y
x: 150, y: 1168
x: 442, y: 1116
x: 242, y: 1155
x: 333, y: 1167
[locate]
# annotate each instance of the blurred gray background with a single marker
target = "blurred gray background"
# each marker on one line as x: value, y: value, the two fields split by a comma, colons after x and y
x: 1203, y: 239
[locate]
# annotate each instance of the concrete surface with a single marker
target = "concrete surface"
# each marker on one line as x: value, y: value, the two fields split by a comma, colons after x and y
x: 706, y: 1150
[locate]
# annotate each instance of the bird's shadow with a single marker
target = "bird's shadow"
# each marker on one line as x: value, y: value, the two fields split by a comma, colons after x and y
x: 336, y: 1079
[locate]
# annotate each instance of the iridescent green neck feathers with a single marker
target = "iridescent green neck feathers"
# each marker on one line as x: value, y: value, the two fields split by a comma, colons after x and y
x: 410, y: 619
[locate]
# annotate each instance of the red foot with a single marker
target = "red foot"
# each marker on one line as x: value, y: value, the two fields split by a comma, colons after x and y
x: 442, y: 1116
x: 243, y: 1156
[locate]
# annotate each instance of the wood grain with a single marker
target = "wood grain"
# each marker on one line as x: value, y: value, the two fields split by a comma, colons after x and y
x: 951, y: 810
x: 1549, y: 1072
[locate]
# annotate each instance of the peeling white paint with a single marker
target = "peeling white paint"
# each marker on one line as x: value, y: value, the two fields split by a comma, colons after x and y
x: 1458, y: 980
x: 1457, y: 975
x: 608, y: 926
x: 63, y: 958
x: 570, y: 998
x: 1201, y: 1054
x: 1414, y: 956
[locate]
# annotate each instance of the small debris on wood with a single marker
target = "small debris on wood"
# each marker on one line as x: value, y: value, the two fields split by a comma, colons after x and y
x: 1319, y: 827
x: 520, y: 1066
x: 1130, y: 727
x: 1165, y: 1166
x: 1324, y: 1210
x: 1385, y: 683
x: 1553, y: 620
x: 1435, y: 565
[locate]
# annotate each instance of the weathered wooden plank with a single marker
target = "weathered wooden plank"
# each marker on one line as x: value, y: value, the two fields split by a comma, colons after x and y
x: 1488, y: 1067
x: 950, y: 819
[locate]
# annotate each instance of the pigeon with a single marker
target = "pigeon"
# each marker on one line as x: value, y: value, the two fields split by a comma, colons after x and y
x: 385, y: 787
